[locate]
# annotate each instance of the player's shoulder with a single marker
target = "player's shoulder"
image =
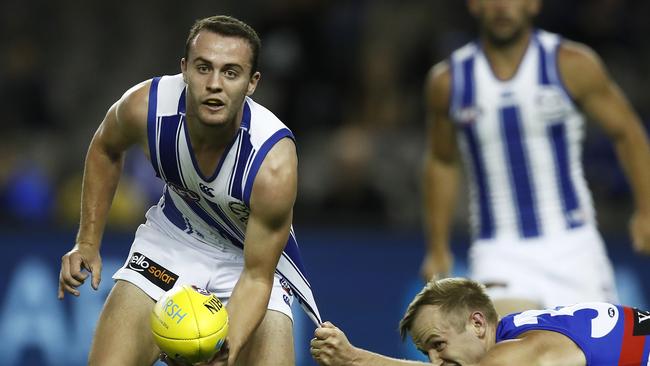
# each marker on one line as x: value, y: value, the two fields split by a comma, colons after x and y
x: 438, y: 84
x: 262, y: 115
x: 581, y: 67
x: 275, y: 185
x: 577, y: 54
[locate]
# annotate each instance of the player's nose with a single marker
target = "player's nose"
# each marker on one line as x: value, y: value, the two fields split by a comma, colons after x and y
x: 214, y: 82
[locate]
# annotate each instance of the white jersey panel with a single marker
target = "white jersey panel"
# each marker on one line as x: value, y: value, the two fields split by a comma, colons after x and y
x: 521, y: 141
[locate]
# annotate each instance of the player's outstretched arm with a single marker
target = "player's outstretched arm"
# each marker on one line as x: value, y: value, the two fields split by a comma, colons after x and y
x: 535, y: 348
x: 440, y: 173
x: 123, y: 126
x: 330, y: 347
x: 602, y: 100
x: 267, y: 232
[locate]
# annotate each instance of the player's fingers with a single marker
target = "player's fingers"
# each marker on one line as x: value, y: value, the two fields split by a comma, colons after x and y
x: 316, y: 343
x: 65, y: 276
x: 76, y: 263
x: 327, y: 324
x: 60, y: 293
x: 324, y: 333
x: 69, y: 289
x: 96, y: 272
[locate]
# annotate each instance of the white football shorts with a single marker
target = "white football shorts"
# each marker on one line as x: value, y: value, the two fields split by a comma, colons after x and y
x: 554, y: 270
x: 163, y: 257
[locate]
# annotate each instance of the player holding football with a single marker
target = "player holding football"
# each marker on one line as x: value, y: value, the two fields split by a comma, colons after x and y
x: 224, y: 220
x: 512, y: 104
x: 453, y: 322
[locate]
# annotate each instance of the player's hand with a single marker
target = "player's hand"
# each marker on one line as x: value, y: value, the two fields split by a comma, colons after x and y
x: 640, y: 232
x: 330, y: 346
x: 221, y: 358
x: 81, y: 257
x: 436, y: 264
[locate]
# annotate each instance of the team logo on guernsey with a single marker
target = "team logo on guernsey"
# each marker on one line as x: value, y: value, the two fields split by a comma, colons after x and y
x: 467, y: 115
x: 185, y: 193
x: 152, y: 271
x: 641, y: 322
x: 551, y: 104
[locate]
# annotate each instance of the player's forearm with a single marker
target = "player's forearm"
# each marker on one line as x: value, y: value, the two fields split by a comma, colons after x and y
x: 440, y: 191
x: 246, y: 309
x: 101, y: 176
x: 633, y: 152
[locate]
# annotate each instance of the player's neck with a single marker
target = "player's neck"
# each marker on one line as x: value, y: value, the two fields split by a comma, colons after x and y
x: 504, y: 59
x: 212, y: 137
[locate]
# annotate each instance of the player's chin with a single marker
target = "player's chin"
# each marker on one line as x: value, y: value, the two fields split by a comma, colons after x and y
x: 213, y: 118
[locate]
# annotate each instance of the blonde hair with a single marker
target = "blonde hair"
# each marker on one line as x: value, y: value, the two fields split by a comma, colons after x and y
x: 457, y: 297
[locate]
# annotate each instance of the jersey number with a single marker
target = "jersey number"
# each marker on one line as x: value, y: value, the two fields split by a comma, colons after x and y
x: 601, y: 325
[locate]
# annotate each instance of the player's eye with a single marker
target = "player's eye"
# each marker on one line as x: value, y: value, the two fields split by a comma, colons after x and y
x: 439, y: 345
x: 231, y: 74
x: 203, y: 69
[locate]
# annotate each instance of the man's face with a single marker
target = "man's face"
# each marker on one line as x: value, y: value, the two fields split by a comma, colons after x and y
x: 435, y: 334
x: 218, y: 75
x: 503, y: 21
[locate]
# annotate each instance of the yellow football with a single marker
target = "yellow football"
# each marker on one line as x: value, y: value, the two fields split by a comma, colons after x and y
x: 189, y: 324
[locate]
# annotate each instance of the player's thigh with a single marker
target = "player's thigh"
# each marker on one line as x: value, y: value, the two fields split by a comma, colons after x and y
x: 123, y: 336
x: 271, y: 343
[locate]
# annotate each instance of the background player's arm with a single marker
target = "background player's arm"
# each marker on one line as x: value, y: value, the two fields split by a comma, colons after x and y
x: 123, y: 126
x: 330, y: 347
x: 602, y: 100
x: 441, y: 173
x: 272, y: 199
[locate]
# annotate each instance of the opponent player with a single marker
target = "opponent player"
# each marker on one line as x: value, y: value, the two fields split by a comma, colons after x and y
x: 453, y: 322
x: 511, y: 103
x: 224, y: 220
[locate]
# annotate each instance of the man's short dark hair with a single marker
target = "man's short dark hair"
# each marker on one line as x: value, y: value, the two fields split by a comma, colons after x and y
x: 227, y: 26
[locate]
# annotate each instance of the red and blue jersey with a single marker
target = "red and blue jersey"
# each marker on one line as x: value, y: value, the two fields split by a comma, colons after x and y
x: 608, y: 334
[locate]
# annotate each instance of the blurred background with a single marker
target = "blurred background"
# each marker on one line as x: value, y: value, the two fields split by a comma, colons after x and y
x: 345, y: 76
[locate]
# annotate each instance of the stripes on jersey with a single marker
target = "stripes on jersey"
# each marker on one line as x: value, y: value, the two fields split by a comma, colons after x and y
x: 521, y: 142
x: 216, y: 207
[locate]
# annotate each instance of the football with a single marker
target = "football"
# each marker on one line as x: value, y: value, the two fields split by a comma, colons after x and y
x: 189, y: 324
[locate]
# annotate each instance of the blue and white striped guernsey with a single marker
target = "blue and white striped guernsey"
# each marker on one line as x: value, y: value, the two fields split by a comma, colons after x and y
x: 216, y: 208
x: 521, y: 142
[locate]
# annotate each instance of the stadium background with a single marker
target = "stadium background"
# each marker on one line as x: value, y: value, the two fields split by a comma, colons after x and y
x: 346, y: 76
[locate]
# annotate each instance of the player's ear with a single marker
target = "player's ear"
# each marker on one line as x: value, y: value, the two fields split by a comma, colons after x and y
x: 252, y: 83
x: 479, y: 324
x: 184, y: 69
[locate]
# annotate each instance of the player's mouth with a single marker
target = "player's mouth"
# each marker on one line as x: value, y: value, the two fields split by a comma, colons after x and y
x: 214, y: 104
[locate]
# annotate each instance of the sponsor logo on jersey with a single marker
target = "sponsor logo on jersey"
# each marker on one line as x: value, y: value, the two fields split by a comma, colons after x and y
x: 152, y: 271
x: 285, y: 286
x: 240, y: 210
x: 185, y: 193
x: 641, y: 322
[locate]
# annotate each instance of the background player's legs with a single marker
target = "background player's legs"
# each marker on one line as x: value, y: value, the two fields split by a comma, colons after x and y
x: 122, y: 337
x: 271, y: 344
x: 505, y: 306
